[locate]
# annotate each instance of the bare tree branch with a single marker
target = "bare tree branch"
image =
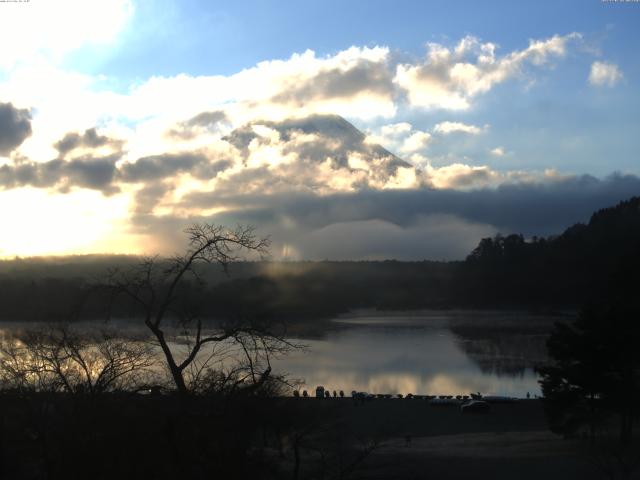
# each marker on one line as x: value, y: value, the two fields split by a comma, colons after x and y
x: 157, y: 289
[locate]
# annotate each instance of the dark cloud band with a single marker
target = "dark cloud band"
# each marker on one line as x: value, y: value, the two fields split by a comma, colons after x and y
x: 15, y: 127
x: 409, y: 224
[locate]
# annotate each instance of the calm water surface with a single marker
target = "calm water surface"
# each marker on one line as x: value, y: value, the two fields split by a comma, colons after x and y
x: 434, y: 353
x: 425, y: 353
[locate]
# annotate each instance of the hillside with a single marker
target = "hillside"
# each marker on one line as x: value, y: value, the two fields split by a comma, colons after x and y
x: 587, y: 261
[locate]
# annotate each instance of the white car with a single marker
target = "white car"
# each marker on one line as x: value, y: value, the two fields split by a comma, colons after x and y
x: 475, y: 406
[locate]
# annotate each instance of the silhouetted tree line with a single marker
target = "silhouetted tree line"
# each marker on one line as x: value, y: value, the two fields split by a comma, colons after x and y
x: 297, y: 290
x: 595, y: 370
x: 587, y: 261
x: 591, y: 385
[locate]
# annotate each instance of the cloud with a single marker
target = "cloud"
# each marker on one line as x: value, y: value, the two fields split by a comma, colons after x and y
x: 320, y: 153
x: 92, y: 166
x: 323, y: 154
x: 317, y: 182
x: 461, y: 176
x: 83, y: 172
x: 15, y: 127
x: 207, y: 119
x: 160, y: 167
x: 400, y: 137
x: 146, y: 198
x: 356, y: 82
x: 439, y: 236
x: 450, y: 78
x: 445, y: 128
x: 404, y: 224
x: 58, y: 28
x: 204, y: 122
x: 350, y: 74
x: 498, y: 152
x: 359, y: 83
x: 417, y: 141
x: 604, y: 74
x: 264, y: 145
x: 88, y: 140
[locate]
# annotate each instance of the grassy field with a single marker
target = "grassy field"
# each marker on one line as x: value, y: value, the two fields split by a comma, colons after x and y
x: 419, y: 441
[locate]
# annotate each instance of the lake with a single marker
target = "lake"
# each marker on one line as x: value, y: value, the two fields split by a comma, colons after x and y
x: 425, y: 353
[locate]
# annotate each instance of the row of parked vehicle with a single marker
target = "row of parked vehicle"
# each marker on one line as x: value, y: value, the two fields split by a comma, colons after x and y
x: 474, y: 402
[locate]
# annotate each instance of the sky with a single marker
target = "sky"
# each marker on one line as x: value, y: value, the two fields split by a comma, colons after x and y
x: 343, y: 130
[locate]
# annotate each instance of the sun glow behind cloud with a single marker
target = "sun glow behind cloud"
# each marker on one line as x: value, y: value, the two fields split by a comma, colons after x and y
x: 52, y: 29
x: 38, y: 223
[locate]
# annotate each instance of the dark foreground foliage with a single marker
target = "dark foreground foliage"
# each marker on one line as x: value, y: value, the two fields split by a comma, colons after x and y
x: 54, y: 436
x: 595, y: 375
x: 591, y: 386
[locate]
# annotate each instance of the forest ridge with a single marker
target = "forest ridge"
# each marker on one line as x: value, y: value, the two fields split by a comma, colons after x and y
x: 586, y: 261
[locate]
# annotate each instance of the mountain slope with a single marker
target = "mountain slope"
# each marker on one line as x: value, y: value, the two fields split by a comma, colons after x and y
x: 326, y: 136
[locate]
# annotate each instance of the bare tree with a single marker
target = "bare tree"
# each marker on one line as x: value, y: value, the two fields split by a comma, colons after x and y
x: 233, y: 353
x: 60, y: 359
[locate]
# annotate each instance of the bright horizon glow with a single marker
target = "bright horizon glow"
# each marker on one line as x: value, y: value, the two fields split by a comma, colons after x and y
x: 80, y: 223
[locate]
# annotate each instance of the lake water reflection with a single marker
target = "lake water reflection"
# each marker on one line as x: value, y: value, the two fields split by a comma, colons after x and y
x: 433, y: 352
x: 426, y: 353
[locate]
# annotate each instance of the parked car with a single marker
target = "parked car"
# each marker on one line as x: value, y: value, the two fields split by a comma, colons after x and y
x: 475, y: 406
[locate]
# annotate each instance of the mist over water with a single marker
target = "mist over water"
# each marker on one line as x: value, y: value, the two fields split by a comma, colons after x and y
x: 425, y: 353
